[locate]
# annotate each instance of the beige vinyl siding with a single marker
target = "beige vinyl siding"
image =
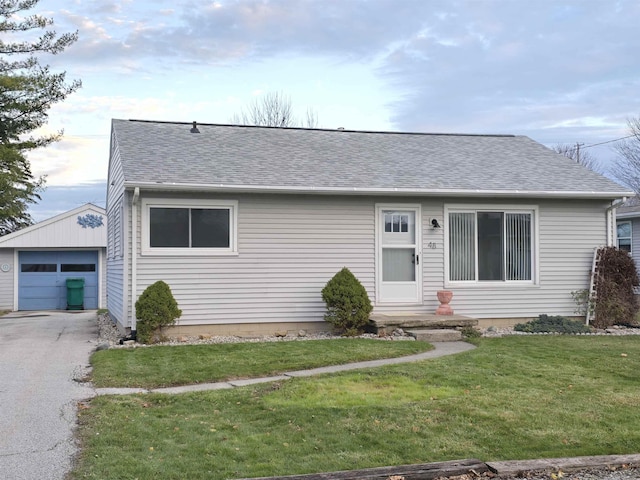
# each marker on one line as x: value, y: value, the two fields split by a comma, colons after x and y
x: 288, y: 248
x: 6, y: 279
x: 635, y: 240
x: 115, y: 184
x: 568, y: 233
x: 432, y: 250
x: 118, y: 270
x: 117, y: 293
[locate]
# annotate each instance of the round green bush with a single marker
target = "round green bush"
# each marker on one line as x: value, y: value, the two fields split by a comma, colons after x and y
x: 348, y: 305
x: 156, y: 308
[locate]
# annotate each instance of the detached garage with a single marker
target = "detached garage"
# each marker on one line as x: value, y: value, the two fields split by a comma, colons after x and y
x: 37, y: 262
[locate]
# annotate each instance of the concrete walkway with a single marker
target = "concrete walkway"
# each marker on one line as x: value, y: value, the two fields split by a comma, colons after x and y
x: 441, y: 349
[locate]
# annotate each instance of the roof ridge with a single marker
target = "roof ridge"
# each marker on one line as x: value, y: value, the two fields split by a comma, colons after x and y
x: 338, y: 130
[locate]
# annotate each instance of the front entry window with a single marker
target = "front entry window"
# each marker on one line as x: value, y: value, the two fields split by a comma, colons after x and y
x: 396, y: 222
x: 398, y: 265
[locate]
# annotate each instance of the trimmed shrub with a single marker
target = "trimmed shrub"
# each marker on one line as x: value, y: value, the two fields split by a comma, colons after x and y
x: 348, y: 305
x: 156, y: 308
x: 552, y: 324
x: 615, y: 303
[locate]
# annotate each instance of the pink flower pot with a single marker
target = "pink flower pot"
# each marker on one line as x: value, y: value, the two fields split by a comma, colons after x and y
x: 444, y: 297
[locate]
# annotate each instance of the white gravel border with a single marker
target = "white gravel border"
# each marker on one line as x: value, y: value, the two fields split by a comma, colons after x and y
x: 109, y: 336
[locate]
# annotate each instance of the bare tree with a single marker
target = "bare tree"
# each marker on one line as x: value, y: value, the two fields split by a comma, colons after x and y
x: 579, y: 155
x: 312, y: 119
x: 626, y: 168
x: 273, y: 109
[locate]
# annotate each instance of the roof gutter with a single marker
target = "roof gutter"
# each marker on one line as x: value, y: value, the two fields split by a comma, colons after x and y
x: 628, y: 214
x: 423, y: 192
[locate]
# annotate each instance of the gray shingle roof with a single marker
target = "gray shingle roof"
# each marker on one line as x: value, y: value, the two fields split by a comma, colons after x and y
x: 630, y: 208
x: 327, y: 160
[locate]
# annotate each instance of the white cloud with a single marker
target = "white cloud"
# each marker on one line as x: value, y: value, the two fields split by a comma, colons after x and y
x: 72, y: 160
x: 559, y: 71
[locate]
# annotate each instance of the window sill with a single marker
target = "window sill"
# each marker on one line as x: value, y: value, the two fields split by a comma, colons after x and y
x: 188, y: 252
x: 492, y: 285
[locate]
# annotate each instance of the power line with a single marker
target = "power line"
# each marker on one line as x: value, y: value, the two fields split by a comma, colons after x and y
x: 609, y: 141
x: 582, y: 146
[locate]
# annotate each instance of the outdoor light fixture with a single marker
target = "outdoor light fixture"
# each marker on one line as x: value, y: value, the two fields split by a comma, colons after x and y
x: 434, y: 223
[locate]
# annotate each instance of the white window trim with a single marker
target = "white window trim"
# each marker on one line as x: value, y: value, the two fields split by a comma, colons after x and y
x: 231, y: 205
x: 474, y: 208
x: 630, y: 237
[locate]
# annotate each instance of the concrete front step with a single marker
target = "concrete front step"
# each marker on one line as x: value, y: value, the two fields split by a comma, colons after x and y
x: 386, y: 323
x: 435, y: 334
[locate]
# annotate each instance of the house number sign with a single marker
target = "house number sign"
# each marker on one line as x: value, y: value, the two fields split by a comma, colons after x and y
x: 432, y: 245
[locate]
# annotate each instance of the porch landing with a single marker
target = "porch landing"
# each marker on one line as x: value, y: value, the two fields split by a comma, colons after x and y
x: 423, y: 326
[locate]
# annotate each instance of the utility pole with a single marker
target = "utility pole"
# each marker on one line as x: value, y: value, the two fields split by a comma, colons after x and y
x: 578, y: 145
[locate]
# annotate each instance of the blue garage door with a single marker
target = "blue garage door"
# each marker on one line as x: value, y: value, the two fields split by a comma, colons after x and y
x: 42, y: 279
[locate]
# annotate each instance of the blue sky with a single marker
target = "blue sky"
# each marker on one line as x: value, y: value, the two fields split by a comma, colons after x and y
x: 556, y: 71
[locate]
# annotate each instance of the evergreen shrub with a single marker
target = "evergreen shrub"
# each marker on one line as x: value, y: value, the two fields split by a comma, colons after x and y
x: 156, y: 308
x: 552, y: 324
x: 348, y: 305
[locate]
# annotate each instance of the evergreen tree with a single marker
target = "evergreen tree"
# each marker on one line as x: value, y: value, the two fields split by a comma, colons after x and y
x: 28, y: 89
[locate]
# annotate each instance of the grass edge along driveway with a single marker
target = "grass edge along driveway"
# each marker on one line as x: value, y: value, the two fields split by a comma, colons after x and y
x: 512, y: 398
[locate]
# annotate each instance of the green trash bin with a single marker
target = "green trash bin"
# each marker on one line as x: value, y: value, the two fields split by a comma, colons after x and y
x: 75, y: 293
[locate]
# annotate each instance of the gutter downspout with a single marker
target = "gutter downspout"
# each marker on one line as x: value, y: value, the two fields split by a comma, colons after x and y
x: 610, y: 213
x: 134, y: 255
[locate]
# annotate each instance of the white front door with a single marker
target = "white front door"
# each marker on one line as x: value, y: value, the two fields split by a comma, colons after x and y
x: 398, y: 252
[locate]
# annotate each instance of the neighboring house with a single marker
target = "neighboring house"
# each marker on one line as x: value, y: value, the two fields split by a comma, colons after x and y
x: 247, y: 224
x: 628, y: 228
x: 36, y: 261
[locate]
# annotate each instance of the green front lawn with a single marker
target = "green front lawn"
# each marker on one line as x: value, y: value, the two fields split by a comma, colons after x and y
x: 164, y: 366
x: 511, y: 398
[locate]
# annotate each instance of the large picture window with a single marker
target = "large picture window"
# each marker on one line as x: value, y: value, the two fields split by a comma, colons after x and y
x: 490, y: 245
x: 187, y: 227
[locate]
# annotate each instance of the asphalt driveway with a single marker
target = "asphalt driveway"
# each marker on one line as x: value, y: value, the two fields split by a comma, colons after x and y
x: 42, y: 355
